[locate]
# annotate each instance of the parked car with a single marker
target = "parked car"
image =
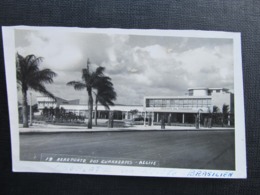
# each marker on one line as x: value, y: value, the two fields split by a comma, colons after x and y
x: 140, y: 118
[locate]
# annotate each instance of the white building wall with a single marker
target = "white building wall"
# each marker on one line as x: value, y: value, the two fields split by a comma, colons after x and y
x: 219, y: 99
x: 200, y: 92
x: 102, y: 108
x: 83, y: 109
x: 46, y: 102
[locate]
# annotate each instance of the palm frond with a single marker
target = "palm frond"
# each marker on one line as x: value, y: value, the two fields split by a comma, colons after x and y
x: 32, y: 62
x: 225, y: 108
x: 29, y: 75
x: 215, y: 109
x: 41, y: 88
x: 100, y: 71
x: 103, y: 82
x: 106, y: 94
x: 86, y: 75
x: 44, y: 76
x: 77, y: 85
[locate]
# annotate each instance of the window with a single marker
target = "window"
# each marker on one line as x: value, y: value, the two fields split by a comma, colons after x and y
x: 185, y: 103
x: 147, y: 103
x: 205, y: 102
x: 151, y: 104
x: 177, y: 103
x: 190, y: 103
x: 157, y: 103
x: 199, y: 102
x: 180, y: 103
x: 194, y: 103
x: 168, y: 103
x: 163, y: 103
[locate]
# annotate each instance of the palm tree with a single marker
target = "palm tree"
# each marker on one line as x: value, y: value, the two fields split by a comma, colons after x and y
x: 133, y: 112
x: 45, y: 112
x: 29, y: 76
x: 105, y: 94
x: 89, y: 82
x: 62, y: 113
x: 212, y: 116
x: 225, y: 111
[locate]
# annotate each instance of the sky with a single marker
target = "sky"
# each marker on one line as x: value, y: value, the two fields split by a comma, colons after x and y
x: 139, y: 65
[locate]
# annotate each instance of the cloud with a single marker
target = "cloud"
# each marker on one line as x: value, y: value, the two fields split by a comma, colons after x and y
x: 138, y: 65
x: 208, y: 67
x: 59, y: 51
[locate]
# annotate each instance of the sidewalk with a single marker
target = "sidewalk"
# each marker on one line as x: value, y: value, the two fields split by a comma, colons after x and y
x: 38, y: 128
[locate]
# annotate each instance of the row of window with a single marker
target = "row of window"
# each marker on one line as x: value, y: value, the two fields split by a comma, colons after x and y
x: 73, y: 110
x: 79, y: 112
x: 46, y: 103
x: 178, y: 102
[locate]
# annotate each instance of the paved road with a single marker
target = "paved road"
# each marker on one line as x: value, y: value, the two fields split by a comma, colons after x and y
x: 175, y: 149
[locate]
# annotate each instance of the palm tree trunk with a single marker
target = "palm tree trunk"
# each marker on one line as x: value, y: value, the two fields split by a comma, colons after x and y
x: 25, y: 112
x: 111, y: 119
x: 96, y: 105
x: 90, y: 108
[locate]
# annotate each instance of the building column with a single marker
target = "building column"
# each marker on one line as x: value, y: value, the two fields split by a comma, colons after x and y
x: 152, y: 117
x: 169, y: 119
x: 183, y: 118
x: 145, y: 119
x: 157, y: 117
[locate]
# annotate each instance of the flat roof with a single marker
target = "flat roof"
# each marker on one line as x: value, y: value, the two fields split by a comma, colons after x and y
x: 178, y: 97
x: 207, y: 88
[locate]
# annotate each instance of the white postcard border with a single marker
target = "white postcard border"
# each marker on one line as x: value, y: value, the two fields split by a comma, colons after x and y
x: 25, y: 166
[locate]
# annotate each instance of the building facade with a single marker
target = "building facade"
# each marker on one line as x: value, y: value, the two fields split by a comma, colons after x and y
x: 172, y: 109
x: 184, y: 109
x: 120, y: 111
x: 48, y: 102
x: 73, y: 106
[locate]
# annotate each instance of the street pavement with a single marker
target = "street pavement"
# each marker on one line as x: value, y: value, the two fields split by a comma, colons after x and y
x: 175, y: 147
x: 49, y: 128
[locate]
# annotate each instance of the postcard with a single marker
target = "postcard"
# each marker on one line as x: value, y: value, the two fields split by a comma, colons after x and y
x: 130, y: 102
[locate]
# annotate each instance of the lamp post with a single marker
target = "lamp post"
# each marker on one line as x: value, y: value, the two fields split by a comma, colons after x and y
x: 30, y: 108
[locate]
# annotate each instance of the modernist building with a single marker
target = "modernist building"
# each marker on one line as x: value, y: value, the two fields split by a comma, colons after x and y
x: 43, y: 101
x: 120, y: 111
x: 73, y: 106
x: 184, y: 109
x: 174, y: 109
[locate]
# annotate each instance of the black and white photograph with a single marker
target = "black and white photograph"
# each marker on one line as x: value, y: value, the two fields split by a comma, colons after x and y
x: 163, y: 103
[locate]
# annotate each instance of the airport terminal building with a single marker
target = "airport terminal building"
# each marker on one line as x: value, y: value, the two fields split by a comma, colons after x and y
x: 175, y: 109
x: 120, y: 111
x: 184, y: 109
